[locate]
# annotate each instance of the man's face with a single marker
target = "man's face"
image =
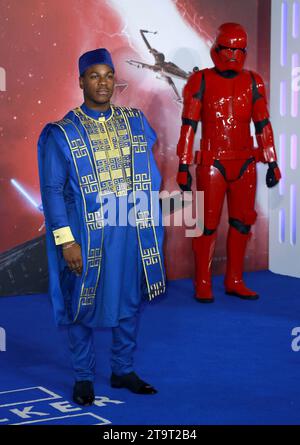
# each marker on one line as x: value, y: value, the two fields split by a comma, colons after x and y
x: 98, y: 84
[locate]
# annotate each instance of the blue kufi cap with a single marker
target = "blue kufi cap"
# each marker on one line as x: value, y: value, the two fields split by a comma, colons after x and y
x: 94, y: 57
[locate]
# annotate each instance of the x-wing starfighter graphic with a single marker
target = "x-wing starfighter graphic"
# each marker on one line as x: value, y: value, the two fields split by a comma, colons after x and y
x: 165, y: 70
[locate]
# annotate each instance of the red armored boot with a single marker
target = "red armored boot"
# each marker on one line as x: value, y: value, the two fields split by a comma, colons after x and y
x: 236, y: 248
x: 204, y: 247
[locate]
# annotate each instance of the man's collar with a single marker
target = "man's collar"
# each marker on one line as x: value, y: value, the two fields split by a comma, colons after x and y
x: 96, y: 114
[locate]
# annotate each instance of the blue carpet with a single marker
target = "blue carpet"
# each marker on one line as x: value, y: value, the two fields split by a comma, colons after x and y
x: 230, y: 362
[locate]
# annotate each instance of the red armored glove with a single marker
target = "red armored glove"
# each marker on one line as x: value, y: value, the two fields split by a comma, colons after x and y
x: 273, y: 174
x: 184, y: 178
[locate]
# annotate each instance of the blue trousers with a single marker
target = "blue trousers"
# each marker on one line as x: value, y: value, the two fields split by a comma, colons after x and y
x: 81, y: 343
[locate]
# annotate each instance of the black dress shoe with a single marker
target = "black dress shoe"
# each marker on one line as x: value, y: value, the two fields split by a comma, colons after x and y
x: 132, y: 382
x: 83, y: 393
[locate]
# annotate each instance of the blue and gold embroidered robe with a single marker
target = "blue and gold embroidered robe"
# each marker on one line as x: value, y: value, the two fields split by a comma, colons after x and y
x: 83, y: 160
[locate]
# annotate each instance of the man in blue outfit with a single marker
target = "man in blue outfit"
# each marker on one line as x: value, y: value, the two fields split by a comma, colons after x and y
x: 98, y: 158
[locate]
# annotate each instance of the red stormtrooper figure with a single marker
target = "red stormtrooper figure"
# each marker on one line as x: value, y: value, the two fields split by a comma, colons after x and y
x: 225, y: 99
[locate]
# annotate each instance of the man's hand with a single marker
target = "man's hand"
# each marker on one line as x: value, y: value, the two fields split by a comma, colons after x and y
x: 184, y: 178
x: 72, y: 255
x: 273, y: 174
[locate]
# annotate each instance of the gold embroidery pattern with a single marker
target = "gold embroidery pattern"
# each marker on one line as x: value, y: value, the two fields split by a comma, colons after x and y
x: 139, y: 144
x: 151, y: 256
x: 157, y: 288
x: 79, y: 148
x: 95, y: 256
x: 88, y: 296
x: 111, y: 146
x: 94, y: 220
x: 142, y: 182
x: 144, y: 220
x: 89, y: 184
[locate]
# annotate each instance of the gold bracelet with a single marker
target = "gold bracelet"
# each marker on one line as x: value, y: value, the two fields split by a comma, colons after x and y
x: 69, y: 245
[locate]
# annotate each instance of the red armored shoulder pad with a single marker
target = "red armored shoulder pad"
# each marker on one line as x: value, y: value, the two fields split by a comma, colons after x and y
x: 193, y: 85
x: 260, y: 86
x: 260, y: 109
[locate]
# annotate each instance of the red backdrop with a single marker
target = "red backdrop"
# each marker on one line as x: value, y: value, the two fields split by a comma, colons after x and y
x: 41, y: 42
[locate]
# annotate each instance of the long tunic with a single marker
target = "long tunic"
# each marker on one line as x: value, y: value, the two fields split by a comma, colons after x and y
x: 93, y: 166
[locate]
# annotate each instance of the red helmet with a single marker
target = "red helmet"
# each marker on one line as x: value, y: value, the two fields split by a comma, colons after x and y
x: 229, y: 49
